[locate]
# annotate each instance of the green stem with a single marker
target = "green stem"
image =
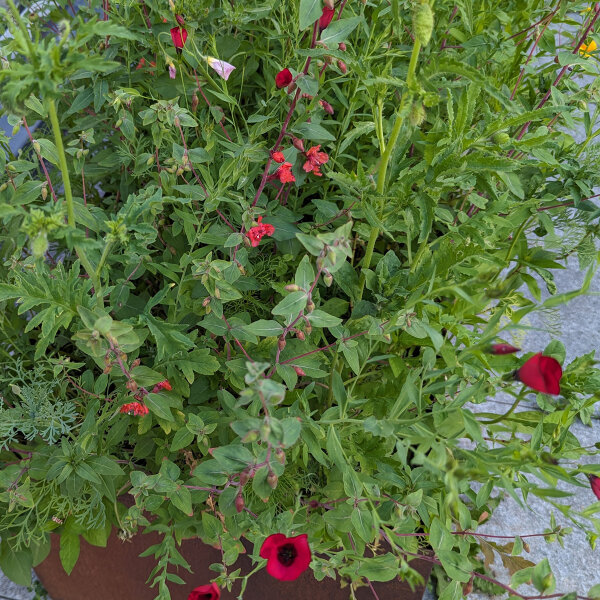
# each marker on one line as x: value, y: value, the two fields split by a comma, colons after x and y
x: 510, y: 411
x: 64, y: 169
x: 103, y: 259
x: 31, y: 50
x: 383, y: 165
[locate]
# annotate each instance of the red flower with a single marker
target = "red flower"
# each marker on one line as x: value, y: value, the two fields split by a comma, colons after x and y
x: 134, y: 408
x: 141, y: 63
x: 502, y: 349
x: 179, y: 36
x: 595, y: 483
x: 205, y: 592
x: 326, y: 17
x: 314, y: 160
x: 255, y: 234
x: 287, y: 558
x: 284, y: 173
x: 278, y: 157
x: 283, y: 78
x: 163, y: 385
x: 542, y: 373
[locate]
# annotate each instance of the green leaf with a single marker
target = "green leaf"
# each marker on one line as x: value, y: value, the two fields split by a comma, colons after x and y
x: 159, y: 405
x: 305, y: 274
x: 338, y: 31
x: 319, y: 318
x: 15, y: 564
x: 182, y: 499
x: 264, y: 328
x: 314, y: 132
x: 182, y: 438
x: 310, y: 11
x: 362, y: 519
x: 291, y: 305
x: 233, y: 458
x: 69, y: 550
x: 379, y: 568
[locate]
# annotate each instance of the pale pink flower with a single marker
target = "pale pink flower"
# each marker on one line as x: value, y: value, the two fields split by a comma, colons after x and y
x: 223, y: 69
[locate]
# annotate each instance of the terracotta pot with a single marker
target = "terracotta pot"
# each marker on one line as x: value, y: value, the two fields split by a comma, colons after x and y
x: 117, y: 573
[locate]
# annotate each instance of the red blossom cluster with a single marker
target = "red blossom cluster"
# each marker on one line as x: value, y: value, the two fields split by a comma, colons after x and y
x: 255, y: 234
x: 134, y: 408
x: 314, y: 160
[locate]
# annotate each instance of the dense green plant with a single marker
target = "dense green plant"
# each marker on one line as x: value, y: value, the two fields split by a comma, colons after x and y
x: 325, y: 378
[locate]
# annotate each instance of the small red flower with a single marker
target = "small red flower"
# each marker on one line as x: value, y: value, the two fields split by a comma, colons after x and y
x: 542, y: 373
x: 179, y: 36
x: 314, y: 160
x: 595, y: 484
x: 283, y: 78
x: 326, y: 17
x: 284, y: 173
x: 502, y: 349
x: 255, y: 234
x: 205, y: 592
x: 134, y: 408
x: 287, y: 558
x: 278, y: 157
x: 141, y: 63
x: 163, y: 385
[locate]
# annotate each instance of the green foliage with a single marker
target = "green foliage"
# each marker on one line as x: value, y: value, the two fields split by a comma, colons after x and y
x: 326, y: 379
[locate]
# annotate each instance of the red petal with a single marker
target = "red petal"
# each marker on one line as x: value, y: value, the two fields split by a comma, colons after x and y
x: 283, y: 78
x: 300, y: 563
x: 595, y: 483
x: 326, y: 17
x: 205, y: 592
x: 541, y: 373
x: 271, y: 543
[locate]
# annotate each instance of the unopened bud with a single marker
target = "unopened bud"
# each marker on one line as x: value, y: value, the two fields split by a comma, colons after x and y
x: 292, y: 87
x: 300, y: 335
x: 251, y: 436
x: 483, y: 516
x: 328, y: 279
x: 241, y: 269
x: 292, y: 287
x: 280, y: 454
x: 281, y: 344
x: 206, y: 301
x: 37, y: 147
x: 79, y: 153
x: 4, y: 186
x: 239, y: 503
x: 300, y: 372
x: 119, y: 123
x: 326, y: 107
x: 342, y: 66
x: 423, y: 22
x: 298, y: 144
x: 195, y: 103
x: 342, y: 46
x: 244, y: 478
x: 5, y: 64
x: 468, y: 587
x: 329, y: 4
x: 107, y: 369
x: 308, y: 328
x: 176, y: 122
x: 501, y: 138
x: 131, y: 385
x: 265, y: 431
x: 310, y: 306
x: 179, y: 172
x: 44, y: 191
x: 150, y: 160
x: 272, y: 480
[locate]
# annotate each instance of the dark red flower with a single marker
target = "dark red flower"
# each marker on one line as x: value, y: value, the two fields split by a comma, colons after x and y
x: 326, y: 17
x: 134, y: 408
x: 255, y: 234
x: 595, y: 484
x: 314, y: 160
x: 205, y: 592
x: 542, y: 373
x: 287, y: 558
x: 502, y: 349
x: 278, y: 157
x: 284, y: 173
x: 163, y: 385
x: 179, y: 36
x: 283, y: 78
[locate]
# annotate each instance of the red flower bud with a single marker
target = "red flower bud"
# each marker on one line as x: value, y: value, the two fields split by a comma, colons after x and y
x: 298, y: 144
x: 342, y: 46
x: 272, y: 480
x: 244, y: 477
x: 292, y: 287
x: 342, y: 66
x: 300, y: 335
x: 300, y: 372
x: 326, y: 17
x: 239, y: 503
x: 326, y: 107
x: 280, y: 454
x: 180, y: 20
x: 281, y: 344
x: 503, y: 349
x: 595, y: 484
x: 278, y: 157
x: 283, y: 78
x: 329, y: 4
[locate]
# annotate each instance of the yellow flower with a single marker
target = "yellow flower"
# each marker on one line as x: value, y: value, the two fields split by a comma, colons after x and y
x: 585, y: 49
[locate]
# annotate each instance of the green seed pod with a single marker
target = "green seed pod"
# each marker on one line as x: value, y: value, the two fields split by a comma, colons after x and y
x: 417, y: 113
x: 37, y: 147
x: 150, y: 160
x: 119, y: 123
x: 423, y: 22
x: 501, y: 138
x: 44, y: 192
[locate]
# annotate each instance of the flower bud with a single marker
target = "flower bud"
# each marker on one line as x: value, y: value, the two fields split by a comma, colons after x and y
x: 251, y: 436
x: 239, y: 503
x: 502, y: 349
x: 272, y: 480
x: 206, y: 301
x: 37, y: 147
x: 310, y: 306
x: 468, y: 587
x: 44, y: 191
x: 300, y: 372
x: 326, y: 107
x: 298, y: 144
x: 292, y: 87
x: 119, y: 123
x: 5, y: 64
x: 244, y: 478
x: 300, y: 335
x: 280, y: 454
x: 501, y: 138
x: 417, y: 113
x: 281, y: 344
x: 4, y: 186
x: 292, y: 287
x: 328, y: 279
x: 342, y: 66
x: 107, y: 369
x: 329, y: 4
x: 131, y: 385
x: 423, y: 22
x: 178, y: 173
x: 265, y: 431
x: 136, y: 363
x: 342, y: 46
x: 79, y: 153
x: 195, y: 103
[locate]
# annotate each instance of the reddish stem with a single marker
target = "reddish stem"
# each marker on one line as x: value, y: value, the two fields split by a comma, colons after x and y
x: 41, y: 161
